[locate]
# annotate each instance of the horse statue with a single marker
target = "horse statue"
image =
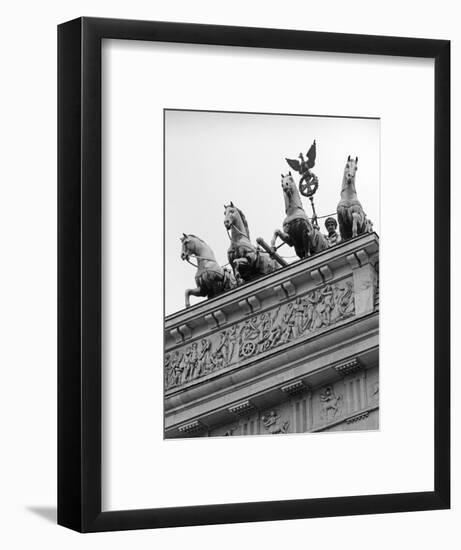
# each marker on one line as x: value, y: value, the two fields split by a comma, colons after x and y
x: 351, y: 217
x: 247, y: 260
x: 211, y: 279
x: 297, y: 229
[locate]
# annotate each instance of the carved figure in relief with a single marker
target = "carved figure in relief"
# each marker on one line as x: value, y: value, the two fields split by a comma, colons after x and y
x: 264, y: 332
x: 308, y: 313
x: 168, y: 370
x: 217, y: 360
x: 344, y: 302
x: 288, y: 322
x: 273, y: 425
x: 351, y: 216
x: 330, y: 403
x: 327, y: 300
x: 177, y: 367
x: 233, y: 344
x: 336, y: 311
x: 246, y: 260
x: 204, y: 356
x: 187, y: 364
x: 298, y: 316
x: 274, y: 336
x: 224, y: 345
x: 194, y: 361
x: 314, y: 301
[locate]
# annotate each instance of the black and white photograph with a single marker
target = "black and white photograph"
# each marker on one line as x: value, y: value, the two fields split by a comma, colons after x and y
x: 271, y: 273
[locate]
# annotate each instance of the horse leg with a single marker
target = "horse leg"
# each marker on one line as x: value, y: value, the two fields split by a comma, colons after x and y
x: 355, y: 224
x: 341, y: 228
x: 283, y: 236
x: 323, y: 243
x: 237, y: 263
x: 302, y: 242
x: 192, y: 292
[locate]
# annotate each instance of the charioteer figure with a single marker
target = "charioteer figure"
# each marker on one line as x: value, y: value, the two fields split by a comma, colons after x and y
x: 332, y: 236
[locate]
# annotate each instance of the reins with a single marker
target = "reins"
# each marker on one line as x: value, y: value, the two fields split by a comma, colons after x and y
x: 199, y: 258
x: 238, y: 230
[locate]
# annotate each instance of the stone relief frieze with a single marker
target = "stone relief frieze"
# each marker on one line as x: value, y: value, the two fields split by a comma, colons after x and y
x: 289, y: 322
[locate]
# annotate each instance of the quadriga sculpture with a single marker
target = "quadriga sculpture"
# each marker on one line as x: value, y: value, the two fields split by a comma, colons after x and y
x: 351, y: 217
x: 246, y: 260
x: 297, y: 229
x: 211, y: 279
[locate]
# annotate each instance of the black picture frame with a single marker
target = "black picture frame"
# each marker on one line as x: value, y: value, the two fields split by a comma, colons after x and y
x: 79, y: 274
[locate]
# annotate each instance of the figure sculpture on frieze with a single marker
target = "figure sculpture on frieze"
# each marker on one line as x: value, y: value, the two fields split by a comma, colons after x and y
x: 167, y: 370
x: 273, y: 423
x: 330, y: 403
x: 204, y: 356
x: 343, y: 301
x: 177, y: 368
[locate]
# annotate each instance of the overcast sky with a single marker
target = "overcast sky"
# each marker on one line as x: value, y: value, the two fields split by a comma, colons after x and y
x: 214, y: 158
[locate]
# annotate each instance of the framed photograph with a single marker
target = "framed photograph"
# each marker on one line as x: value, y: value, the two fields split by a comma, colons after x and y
x: 254, y: 274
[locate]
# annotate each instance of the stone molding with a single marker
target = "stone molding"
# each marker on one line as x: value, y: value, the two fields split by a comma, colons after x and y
x: 242, y: 409
x: 191, y: 427
x: 348, y: 367
x: 358, y: 417
x: 350, y: 419
x: 294, y: 388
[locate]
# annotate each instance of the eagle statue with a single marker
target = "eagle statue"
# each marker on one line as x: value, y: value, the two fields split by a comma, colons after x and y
x: 304, y: 165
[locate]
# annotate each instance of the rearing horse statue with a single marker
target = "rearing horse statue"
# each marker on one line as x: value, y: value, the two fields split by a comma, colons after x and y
x: 297, y: 229
x: 352, y: 219
x: 246, y: 260
x: 211, y: 279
